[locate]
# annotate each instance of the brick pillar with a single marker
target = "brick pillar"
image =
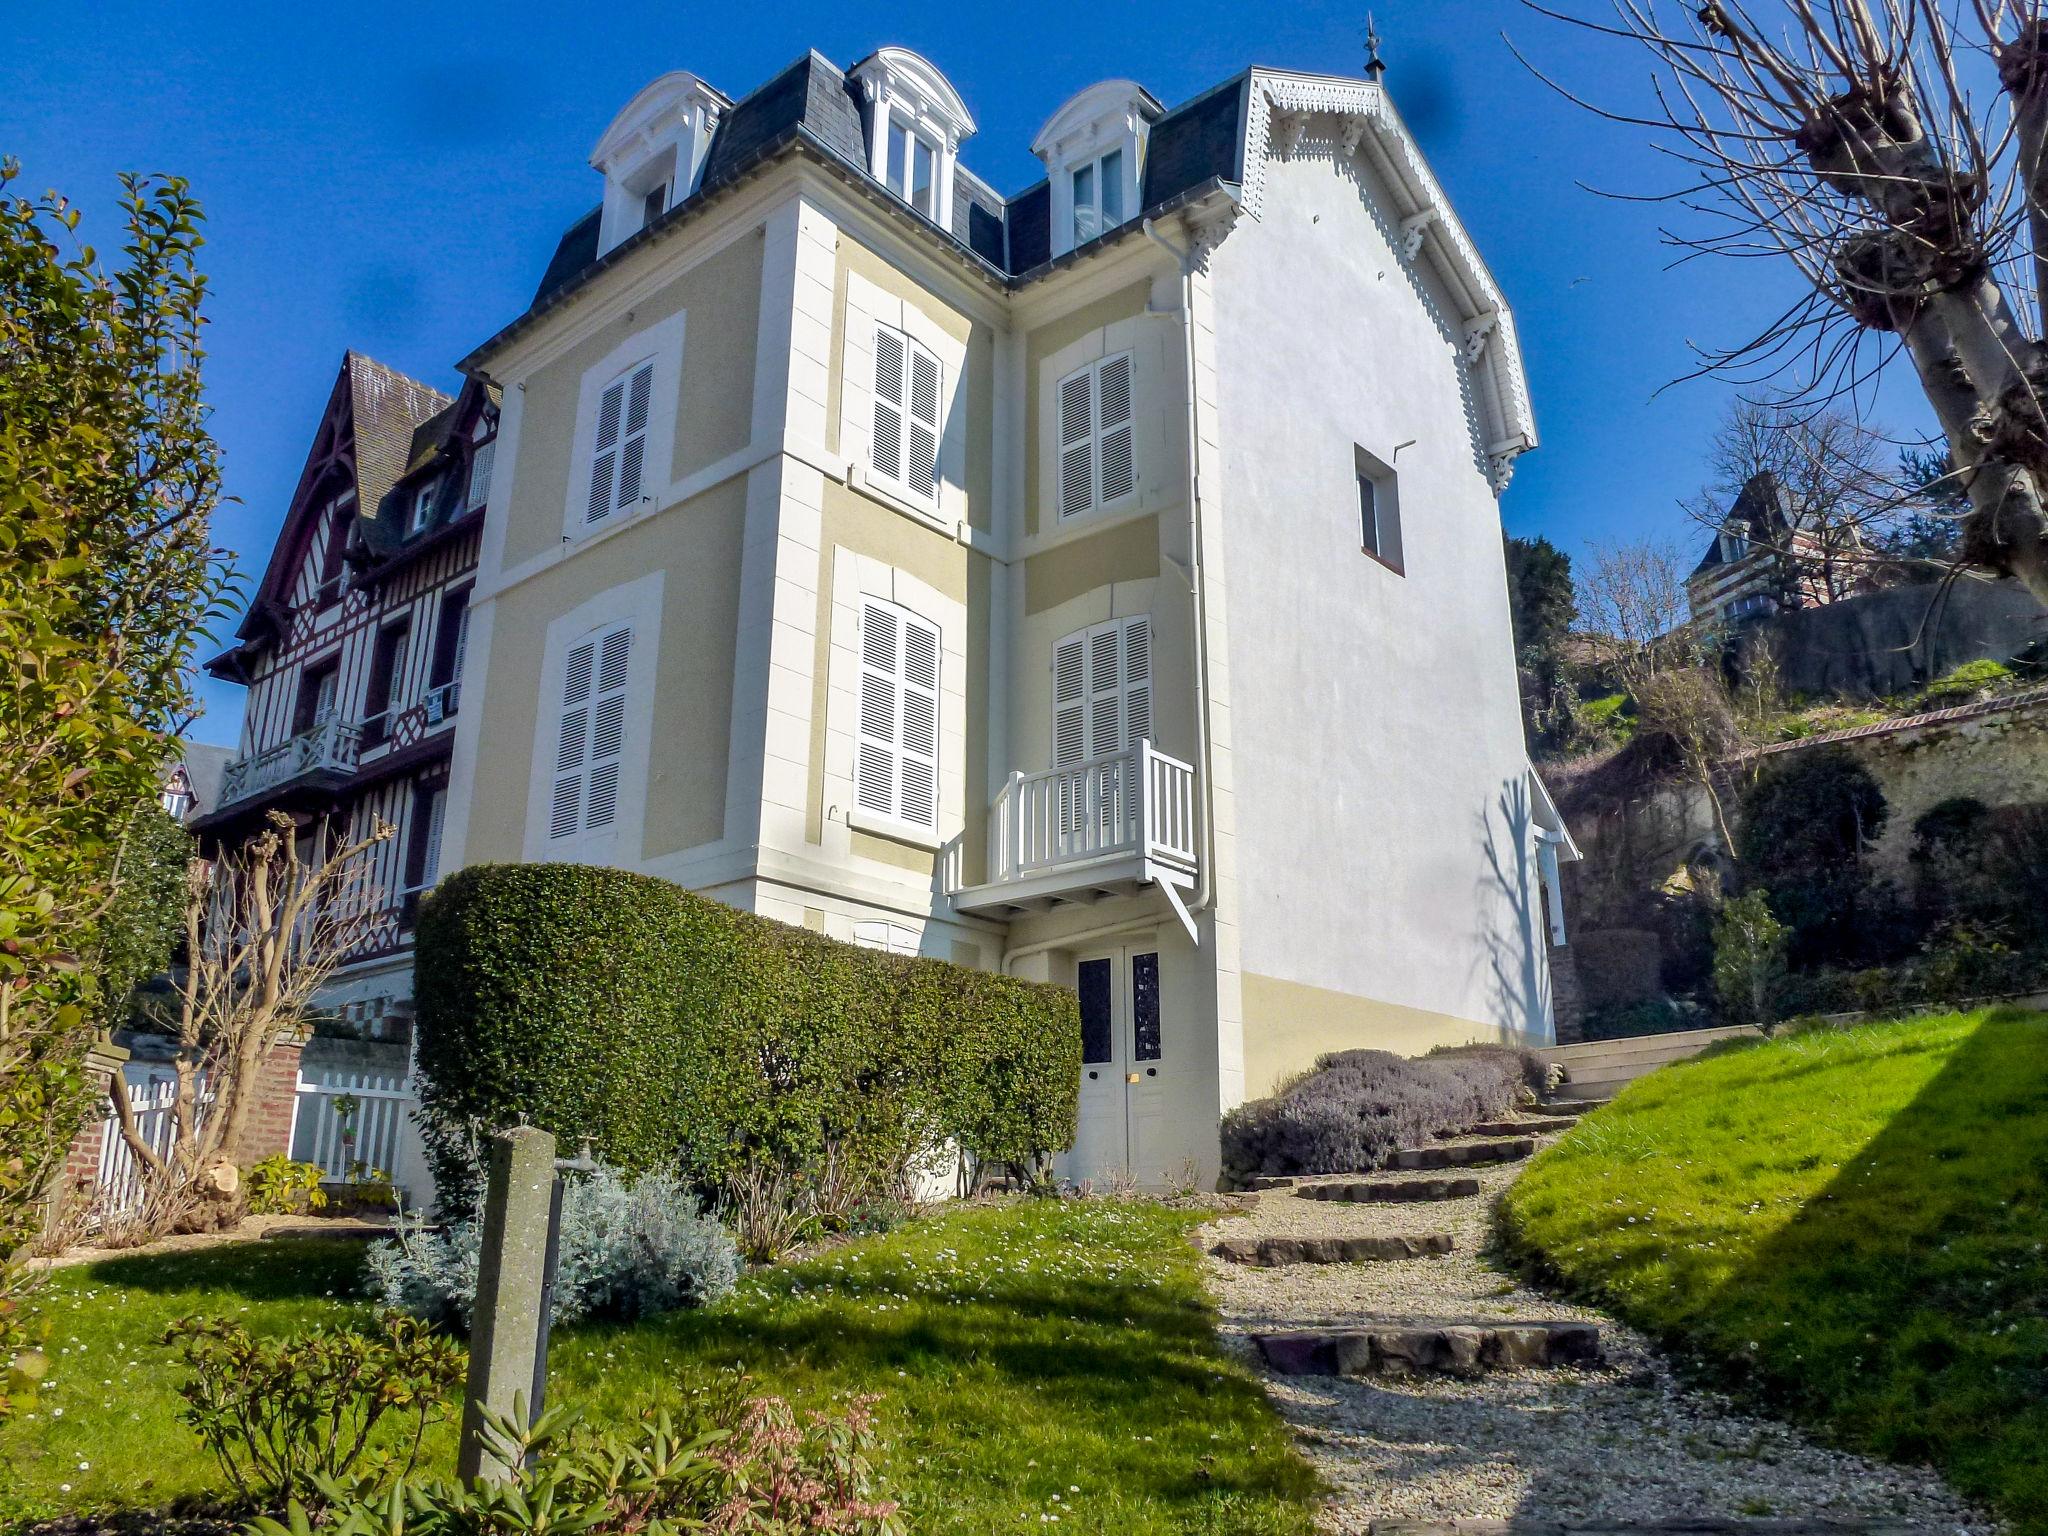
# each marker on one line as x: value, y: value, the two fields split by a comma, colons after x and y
x: 82, y: 1158
x: 268, y: 1126
x: 1567, y: 1003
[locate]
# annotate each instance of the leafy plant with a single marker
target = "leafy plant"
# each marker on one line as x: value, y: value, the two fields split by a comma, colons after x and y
x: 1806, y: 829
x: 281, y: 1415
x: 735, y: 1464
x: 1749, y: 957
x: 108, y: 478
x: 630, y: 1247
x: 278, y: 1186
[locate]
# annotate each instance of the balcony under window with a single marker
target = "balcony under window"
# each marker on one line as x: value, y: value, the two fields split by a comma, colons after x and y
x: 1101, y: 827
x: 320, y: 758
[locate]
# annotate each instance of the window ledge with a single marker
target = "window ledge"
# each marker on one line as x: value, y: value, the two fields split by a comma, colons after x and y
x: 894, y: 829
x: 888, y: 493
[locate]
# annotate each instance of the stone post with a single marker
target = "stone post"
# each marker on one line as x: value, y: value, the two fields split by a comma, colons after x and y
x: 505, y: 1330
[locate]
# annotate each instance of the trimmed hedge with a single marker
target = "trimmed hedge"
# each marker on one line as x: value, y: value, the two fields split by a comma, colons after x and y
x: 674, y: 1031
x: 1357, y: 1108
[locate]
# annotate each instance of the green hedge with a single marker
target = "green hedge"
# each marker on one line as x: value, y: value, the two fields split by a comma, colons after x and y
x: 670, y: 1029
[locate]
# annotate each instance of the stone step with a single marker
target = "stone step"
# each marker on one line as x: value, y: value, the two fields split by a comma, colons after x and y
x: 1268, y: 1252
x: 1454, y: 1349
x: 1566, y: 1109
x: 1542, y: 1125
x: 1690, y: 1525
x: 1379, y: 1191
x: 1465, y: 1154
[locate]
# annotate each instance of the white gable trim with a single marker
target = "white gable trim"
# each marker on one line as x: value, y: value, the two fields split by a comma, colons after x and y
x: 1278, y: 108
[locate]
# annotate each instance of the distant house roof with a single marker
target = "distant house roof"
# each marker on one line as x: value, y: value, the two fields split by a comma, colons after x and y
x: 203, y: 766
x: 1763, y: 512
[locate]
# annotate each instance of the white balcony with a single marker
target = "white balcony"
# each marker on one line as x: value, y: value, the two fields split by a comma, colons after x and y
x: 325, y: 755
x: 1097, y: 828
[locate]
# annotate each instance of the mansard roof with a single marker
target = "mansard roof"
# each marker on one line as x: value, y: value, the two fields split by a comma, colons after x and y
x: 1763, y: 512
x: 1216, y: 143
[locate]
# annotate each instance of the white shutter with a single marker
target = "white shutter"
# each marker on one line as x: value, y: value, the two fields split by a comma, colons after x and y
x: 921, y: 470
x: 480, y: 474
x: 896, y: 773
x: 1113, y: 416
x: 1070, y: 701
x: 605, y: 453
x: 1137, y: 680
x: 592, y: 736
x: 1077, y: 438
x: 437, y: 813
x: 619, y: 451
x: 885, y: 448
x: 1105, y: 693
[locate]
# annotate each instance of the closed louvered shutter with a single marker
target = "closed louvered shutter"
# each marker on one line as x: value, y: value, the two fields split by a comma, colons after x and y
x: 1102, y: 690
x: 1077, y: 443
x: 904, y: 446
x: 1113, y: 413
x: 1070, y: 701
x: 896, y: 773
x: 592, y: 738
x: 619, y: 451
x: 885, y: 450
x: 1137, y: 680
x: 480, y: 474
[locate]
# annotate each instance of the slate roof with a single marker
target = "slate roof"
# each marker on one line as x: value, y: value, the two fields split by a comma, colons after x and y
x: 1763, y: 511
x: 386, y: 407
x: 381, y: 530
x: 205, y: 765
x: 812, y: 102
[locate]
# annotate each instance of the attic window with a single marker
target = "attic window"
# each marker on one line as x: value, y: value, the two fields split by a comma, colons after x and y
x: 1094, y: 153
x: 1098, y: 196
x: 422, y: 507
x: 915, y: 125
x: 653, y: 154
x: 654, y: 204
x: 913, y: 165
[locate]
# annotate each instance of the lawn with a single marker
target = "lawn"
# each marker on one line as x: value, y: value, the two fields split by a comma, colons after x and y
x: 1036, y: 1359
x: 1852, y: 1223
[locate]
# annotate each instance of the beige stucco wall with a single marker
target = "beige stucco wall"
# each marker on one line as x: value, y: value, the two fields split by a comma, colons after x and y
x: 855, y: 521
x: 722, y: 298
x: 1288, y: 1024
x: 1126, y: 551
x: 696, y: 545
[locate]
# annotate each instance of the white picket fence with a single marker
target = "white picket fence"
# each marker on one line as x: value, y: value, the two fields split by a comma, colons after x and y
x: 151, y: 1093
x: 376, y: 1133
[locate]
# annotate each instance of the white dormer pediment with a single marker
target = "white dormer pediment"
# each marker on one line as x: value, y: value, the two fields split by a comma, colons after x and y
x: 916, y: 123
x: 652, y: 156
x: 1093, y: 149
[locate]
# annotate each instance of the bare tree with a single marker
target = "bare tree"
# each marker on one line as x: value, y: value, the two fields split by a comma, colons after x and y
x: 265, y: 927
x: 1896, y: 154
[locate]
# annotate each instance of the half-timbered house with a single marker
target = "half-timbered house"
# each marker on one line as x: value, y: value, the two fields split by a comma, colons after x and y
x: 352, y: 649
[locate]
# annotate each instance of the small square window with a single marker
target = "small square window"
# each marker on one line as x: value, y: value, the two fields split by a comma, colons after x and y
x: 1379, y: 510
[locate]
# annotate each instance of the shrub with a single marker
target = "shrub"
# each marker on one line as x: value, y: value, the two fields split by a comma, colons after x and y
x: 736, y: 1464
x: 1971, y: 680
x: 629, y: 1248
x: 1805, y: 829
x: 1356, y: 1108
x: 1749, y: 958
x: 282, y: 1414
x: 671, y: 1030
x: 280, y: 1187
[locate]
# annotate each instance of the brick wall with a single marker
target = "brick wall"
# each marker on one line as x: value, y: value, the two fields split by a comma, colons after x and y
x: 268, y: 1126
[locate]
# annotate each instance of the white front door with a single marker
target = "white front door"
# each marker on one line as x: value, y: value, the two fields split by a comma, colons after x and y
x: 1124, y: 1067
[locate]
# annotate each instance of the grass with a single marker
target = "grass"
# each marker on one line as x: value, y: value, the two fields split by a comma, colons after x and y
x: 1035, y: 1359
x: 1851, y: 1223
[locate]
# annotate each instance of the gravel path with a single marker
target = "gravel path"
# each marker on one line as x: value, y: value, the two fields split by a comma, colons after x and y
x: 1624, y: 1442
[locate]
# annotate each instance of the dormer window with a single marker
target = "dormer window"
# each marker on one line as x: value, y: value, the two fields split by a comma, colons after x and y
x: 653, y: 154
x: 1098, y: 189
x: 916, y: 122
x: 1094, y: 154
x: 422, y: 508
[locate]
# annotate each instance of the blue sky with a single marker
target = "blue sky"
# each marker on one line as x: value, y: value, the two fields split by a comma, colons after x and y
x: 393, y: 178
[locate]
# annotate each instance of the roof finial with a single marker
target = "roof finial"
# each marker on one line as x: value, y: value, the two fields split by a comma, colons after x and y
x: 1374, y: 65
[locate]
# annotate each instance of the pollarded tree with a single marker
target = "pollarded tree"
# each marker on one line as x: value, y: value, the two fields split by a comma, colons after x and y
x: 1897, y: 155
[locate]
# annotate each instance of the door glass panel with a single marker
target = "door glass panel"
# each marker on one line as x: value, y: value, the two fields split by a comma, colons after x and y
x: 1095, y: 1010
x: 1145, y: 1007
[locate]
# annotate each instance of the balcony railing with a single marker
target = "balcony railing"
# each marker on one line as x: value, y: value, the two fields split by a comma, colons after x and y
x: 330, y: 747
x: 1135, y: 802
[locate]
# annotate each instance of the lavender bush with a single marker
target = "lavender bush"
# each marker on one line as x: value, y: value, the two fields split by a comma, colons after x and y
x: 1356, y: 1108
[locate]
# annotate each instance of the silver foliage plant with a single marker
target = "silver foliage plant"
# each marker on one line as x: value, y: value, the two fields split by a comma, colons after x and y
x: 630, y: 1247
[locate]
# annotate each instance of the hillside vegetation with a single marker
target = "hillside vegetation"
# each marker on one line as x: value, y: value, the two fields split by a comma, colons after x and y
x: 1851, y: 1223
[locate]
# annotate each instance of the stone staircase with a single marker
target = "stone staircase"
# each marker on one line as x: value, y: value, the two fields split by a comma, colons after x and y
x: 1270, y: 1252
x: 1465, y: 1154
x: 1459, y: 1348
x: 1379, y: 1191
x: 1598, y: 1069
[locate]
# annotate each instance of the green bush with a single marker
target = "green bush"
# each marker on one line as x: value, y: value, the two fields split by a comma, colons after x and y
x: 1806, y: 828
x: 1749, y: 959
x: 671, y: 1030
